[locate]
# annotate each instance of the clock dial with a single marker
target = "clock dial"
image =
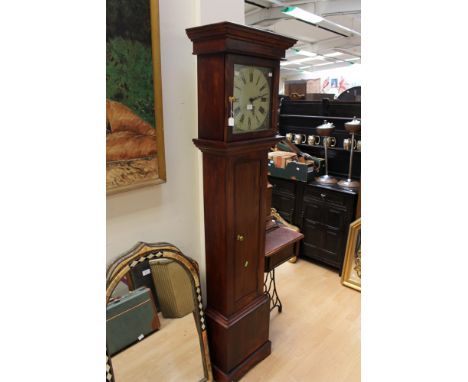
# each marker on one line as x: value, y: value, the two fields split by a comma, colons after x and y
x: 252, y: 93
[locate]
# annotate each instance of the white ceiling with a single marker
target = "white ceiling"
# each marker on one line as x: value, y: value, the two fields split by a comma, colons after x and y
x: 339, y: 33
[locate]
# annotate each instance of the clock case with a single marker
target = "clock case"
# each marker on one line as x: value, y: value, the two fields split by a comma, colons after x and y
x: 218, y: 48
x: 235, y: 192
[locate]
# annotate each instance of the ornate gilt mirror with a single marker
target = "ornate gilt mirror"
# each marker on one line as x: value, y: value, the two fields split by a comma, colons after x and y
x: 151, y: 335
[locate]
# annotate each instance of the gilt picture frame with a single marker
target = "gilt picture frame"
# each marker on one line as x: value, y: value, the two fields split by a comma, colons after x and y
x: 351, y: 275
x: 134, y: 109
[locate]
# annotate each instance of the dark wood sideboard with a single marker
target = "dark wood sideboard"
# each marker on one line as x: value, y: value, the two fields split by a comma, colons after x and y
x: 322, y: 212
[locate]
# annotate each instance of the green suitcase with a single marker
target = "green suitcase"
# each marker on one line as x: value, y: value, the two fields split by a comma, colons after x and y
x: 129, y: 319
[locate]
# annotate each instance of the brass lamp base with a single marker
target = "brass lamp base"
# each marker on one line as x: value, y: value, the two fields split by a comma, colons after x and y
x: 326, y: 179
x: 349, y: 183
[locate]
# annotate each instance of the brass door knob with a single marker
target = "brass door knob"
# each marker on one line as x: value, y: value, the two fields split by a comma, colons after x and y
x: 240, y: 238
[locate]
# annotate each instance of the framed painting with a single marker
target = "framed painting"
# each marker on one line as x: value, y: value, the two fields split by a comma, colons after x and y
x: 351, y: 275
x: 134, y: 113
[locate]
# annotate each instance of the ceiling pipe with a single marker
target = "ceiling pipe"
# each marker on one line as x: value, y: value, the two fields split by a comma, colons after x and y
x: 255, y: 4
x: 279, y: 3
x: 353, y: 32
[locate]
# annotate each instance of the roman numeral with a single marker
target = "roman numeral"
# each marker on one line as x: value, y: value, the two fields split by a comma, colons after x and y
x: 258, y: 79
x: 237, y: 110
x: 263, y: 99
x: 243, y: 78
x: 261, y: 110
x: 251, y: 75
x: 263, y: 87
x: 237, y: 87
x: 258, y: 120
x: 241, y: 119
x: 249, y: 123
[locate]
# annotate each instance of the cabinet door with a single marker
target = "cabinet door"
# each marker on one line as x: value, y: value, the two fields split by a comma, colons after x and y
x: 332, y: 216
x: 322, y: 224
x: 284, y: 198
x: 311, y: 227
x: 331, y: 246
x: 247, y: 215
x: 313, y: 238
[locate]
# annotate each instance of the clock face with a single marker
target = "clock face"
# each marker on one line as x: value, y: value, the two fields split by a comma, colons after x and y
x: 252, y: 98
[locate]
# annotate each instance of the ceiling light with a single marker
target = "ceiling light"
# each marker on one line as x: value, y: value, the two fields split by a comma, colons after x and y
x: 301, y: 14
x: 293, y: 69
x: 353, y: 59
x: 305, y: 53
x: 334, y: 54
x: 326, y: 63
x: 301, y: 60
x: 305, y: 67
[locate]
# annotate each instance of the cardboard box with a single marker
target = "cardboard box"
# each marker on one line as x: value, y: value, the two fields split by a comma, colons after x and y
x: 282, y: 158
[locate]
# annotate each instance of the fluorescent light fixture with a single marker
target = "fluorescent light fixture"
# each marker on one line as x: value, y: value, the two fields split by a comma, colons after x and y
x: 334, y: 54
x: 305, y: 67
x: 353, y: 59
x: 305, y: 53
x: 293, y: 69
x: 301, y: 14
x: 300, y: 60
x: 325, y: 63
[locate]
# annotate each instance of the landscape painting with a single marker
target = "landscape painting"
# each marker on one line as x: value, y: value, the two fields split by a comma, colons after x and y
x: 134, y: 123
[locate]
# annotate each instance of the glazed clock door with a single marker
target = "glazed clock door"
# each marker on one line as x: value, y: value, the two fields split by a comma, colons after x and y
x: 250, y: 85
x: 252, y: 95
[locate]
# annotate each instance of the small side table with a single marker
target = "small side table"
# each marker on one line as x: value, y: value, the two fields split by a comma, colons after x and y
x: 281, y: 244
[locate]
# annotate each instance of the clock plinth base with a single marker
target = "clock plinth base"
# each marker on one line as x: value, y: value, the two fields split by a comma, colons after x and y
x: 259, y: 355
x: 239, y: 342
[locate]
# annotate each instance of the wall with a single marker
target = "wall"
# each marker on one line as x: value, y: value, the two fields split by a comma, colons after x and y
x: 214, y: 11
x: 173, y: 211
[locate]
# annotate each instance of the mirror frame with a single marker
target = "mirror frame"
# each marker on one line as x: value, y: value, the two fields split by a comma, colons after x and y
x: 147, y: 251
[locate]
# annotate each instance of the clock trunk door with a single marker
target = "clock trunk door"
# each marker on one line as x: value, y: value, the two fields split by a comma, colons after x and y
x: 247, y: 215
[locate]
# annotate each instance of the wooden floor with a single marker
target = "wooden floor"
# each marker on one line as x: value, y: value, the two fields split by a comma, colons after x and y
x: 171, y: 354
x: 316, y: 337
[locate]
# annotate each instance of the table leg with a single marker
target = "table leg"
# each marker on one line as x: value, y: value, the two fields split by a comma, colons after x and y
x: 270, y: 288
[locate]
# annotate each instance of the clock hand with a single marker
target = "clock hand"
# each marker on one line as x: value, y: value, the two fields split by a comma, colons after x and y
x: 257, y: 97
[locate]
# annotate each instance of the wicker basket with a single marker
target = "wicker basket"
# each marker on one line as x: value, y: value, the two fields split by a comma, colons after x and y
x: 173, y: 288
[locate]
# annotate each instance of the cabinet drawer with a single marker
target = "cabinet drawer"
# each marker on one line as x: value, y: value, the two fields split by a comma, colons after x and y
x: 328, y: 196
x: 283, y: 186
x: 280, y: 257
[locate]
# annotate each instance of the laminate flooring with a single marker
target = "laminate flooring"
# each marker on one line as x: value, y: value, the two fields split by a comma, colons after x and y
x: 316, y: 337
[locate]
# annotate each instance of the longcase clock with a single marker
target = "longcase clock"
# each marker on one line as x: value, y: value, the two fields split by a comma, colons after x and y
x: 238, y: 77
